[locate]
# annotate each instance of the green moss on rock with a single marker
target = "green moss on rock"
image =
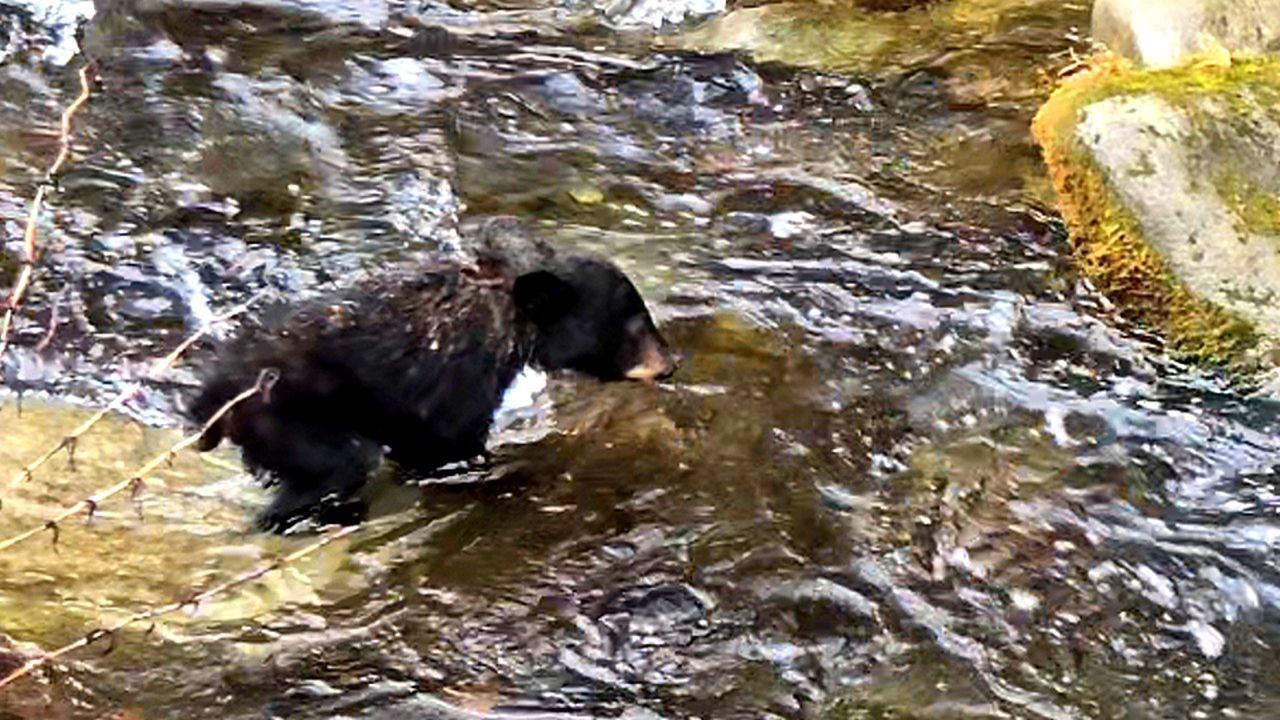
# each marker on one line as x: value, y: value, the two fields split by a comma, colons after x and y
x: 1108, y: 240
x: 1257, y: 209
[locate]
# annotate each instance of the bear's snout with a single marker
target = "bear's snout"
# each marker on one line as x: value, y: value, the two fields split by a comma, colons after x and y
x: 656, y: 361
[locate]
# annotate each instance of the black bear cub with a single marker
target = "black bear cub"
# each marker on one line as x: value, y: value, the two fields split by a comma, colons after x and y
x: 416, y: 363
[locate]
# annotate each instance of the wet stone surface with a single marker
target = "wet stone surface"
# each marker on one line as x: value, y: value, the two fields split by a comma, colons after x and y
x: 910, y: 467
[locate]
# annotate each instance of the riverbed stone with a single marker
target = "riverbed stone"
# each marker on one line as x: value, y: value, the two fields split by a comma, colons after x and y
x: 877, y: 35
x: 1164, y: 33
x: 984, y: 61
x: 1169, y: 181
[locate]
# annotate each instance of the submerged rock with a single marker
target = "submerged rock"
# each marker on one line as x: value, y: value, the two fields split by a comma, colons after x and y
x: 1163, y: 33
x: 1170, y: 183
x: 956, y: 60
x: 183, y: 526
x: 875, y: 35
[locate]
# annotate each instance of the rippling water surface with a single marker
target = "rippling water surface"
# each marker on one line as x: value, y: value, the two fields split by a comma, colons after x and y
x: 911, y: 468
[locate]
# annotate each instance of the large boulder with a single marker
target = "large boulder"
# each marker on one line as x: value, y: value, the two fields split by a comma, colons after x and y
x: 1170, y: 183
x: 1164, y: 33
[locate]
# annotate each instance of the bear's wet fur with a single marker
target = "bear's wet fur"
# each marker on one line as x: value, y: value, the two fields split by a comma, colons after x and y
x: 416, y: 362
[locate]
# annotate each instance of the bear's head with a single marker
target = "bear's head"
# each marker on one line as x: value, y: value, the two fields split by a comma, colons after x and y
x: 590, y: 318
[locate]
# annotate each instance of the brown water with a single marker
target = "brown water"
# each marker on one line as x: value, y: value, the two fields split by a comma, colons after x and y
x: 911, y: 467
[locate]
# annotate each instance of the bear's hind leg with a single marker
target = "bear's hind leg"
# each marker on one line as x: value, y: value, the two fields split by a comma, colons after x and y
x: 316, y: 467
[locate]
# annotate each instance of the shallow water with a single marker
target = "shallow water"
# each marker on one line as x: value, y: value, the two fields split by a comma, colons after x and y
x: 910, y: 468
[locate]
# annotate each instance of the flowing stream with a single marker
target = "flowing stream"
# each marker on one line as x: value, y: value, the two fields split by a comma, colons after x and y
x: 911, y: 467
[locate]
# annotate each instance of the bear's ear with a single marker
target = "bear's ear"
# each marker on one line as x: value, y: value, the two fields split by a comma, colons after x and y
x: 542, y: 296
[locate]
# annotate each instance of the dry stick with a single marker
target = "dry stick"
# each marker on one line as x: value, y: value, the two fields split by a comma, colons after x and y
x: 160, y: 366
x: 37, y: 204
x: 135, y: 481
x: 40, y: 661
x: 53, y: 328
x: 157, y: 369
x: 67, y: 442
x: 24, y: 281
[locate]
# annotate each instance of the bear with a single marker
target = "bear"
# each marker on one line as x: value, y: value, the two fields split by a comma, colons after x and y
x: 413, y: 365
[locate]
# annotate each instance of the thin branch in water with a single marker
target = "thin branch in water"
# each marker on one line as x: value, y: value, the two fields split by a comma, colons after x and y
x: 28, y: 262
x: 195, y: 600
x: 166, y: 363
x: 158, y: 368
x: 88, y: 505
x: 53, y: 328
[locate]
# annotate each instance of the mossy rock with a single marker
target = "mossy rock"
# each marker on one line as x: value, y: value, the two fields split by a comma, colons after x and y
x: 1169, y: 181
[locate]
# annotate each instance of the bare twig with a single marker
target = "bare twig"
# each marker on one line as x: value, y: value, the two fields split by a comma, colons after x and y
x: 69, y: 441
x: 158, y: 368
x: 164, y: 364
x: 53, y: 328
x: 109, y: 631
x: 138, y: 477
x: 64, y: 129
x: 28, y: 262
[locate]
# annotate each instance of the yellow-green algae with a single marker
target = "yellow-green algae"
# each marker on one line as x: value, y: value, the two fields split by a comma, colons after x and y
x: 1108, y: 240
x: 185, y: 531
x: 1256, y: 209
